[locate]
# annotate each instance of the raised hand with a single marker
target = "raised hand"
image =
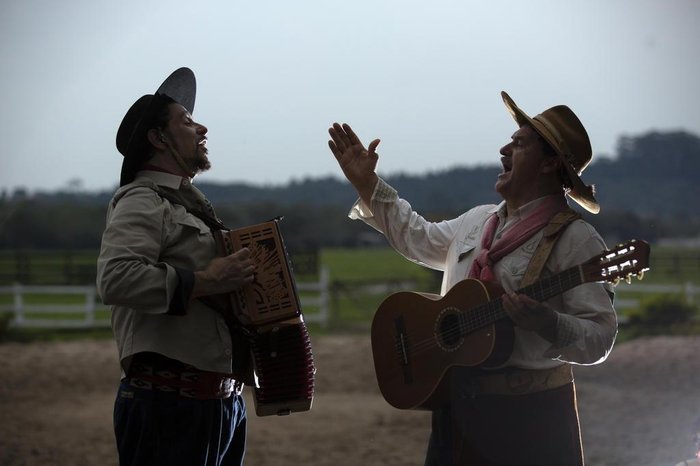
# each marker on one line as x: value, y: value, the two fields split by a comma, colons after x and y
x: 358, y: 164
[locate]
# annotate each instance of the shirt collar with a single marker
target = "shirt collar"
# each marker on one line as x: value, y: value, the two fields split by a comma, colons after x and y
x: 167, y: 180
x: 523, y: 211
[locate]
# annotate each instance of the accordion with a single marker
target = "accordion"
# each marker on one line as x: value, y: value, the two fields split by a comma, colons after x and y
x: 270, y: 311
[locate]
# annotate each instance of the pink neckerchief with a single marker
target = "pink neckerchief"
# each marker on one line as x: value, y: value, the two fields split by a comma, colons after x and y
x: 492, y: 252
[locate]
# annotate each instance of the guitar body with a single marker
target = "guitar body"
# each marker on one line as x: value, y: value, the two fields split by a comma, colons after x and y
x: 416, y: 339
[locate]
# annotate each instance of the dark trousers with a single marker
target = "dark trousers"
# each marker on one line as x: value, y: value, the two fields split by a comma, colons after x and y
x: 536, y: 429
x: 157, y: 428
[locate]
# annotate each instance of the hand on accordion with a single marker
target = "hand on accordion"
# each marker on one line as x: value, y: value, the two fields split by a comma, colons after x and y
x: 224, y: 274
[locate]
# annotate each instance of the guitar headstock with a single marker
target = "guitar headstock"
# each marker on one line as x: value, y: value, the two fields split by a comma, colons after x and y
x: 621, y: 262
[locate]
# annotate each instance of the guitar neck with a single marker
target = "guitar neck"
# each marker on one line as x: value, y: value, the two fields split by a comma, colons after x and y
x: 555, y: 285
x: 541, y: 290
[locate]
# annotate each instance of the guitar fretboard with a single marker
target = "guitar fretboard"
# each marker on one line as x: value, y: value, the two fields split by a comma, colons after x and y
x: 473, y: 319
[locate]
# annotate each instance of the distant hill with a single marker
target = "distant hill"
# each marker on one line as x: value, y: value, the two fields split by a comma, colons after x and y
x: 653, y: 175
x: 649, y: 190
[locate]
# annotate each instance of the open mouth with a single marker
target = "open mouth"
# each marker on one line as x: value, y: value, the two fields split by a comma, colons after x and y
x: 507, y: 167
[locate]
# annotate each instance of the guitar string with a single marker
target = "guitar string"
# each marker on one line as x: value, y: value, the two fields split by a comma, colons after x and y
x: 468, y: 322
x: 488, y: 313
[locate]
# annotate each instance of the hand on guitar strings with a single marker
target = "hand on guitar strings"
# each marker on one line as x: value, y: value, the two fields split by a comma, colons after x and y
x: 358, y: 164
x: 531, y: 315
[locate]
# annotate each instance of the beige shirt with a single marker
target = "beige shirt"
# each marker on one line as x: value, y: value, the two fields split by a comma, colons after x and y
x: 586, y: 325
x: 145, y: 240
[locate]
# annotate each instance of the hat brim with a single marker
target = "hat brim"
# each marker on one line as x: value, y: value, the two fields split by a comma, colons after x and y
x: 180, y: 86
x: 581, y: 193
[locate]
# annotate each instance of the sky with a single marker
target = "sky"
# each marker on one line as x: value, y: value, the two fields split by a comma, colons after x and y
x: 423, y: 76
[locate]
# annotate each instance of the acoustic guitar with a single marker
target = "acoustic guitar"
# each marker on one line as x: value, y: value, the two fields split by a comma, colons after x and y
x: 417, y: 337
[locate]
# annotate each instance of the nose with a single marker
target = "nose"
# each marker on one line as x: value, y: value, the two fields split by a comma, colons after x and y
x: 201, y: 129
x: 505, y: 150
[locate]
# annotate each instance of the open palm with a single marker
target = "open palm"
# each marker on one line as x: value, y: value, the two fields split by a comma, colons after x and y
x: 358, y: 164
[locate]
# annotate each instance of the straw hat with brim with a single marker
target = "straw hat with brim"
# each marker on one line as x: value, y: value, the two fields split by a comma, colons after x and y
x: 562, y: 129
x: 131, y: 135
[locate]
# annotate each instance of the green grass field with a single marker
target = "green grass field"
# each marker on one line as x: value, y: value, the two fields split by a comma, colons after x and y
x: 352, y: 272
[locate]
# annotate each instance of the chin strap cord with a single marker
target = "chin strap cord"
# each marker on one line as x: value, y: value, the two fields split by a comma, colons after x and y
x: 180, y: 161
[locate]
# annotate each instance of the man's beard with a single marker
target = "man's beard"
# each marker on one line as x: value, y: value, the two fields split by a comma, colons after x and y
x: 201, y: 163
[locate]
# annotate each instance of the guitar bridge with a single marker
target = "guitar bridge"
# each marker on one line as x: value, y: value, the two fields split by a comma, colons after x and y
x: 402, y: 347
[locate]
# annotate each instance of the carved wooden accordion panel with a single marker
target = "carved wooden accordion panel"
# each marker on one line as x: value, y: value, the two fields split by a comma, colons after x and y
x: 272, y: 296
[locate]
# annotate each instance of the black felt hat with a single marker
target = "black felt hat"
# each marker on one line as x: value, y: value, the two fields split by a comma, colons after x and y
x: 131, y: 135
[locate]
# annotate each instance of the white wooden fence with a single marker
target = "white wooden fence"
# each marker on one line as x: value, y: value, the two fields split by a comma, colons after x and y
x: 314, y: 295
x: 25, y: 314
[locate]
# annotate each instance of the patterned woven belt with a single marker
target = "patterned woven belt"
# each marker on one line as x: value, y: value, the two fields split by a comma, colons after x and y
x: 515, y: 381
x: 187, y: 381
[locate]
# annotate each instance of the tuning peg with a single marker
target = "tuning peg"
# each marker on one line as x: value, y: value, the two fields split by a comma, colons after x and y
x: 640, y: 275
x: 628, y: 278
x: 616, y: 281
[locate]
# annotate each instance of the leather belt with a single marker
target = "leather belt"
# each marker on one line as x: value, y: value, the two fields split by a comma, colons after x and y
x: 513, y: 381
x: 166, y: 375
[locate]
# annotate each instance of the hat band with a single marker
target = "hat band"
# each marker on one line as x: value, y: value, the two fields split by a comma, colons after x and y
x: 555, y: 136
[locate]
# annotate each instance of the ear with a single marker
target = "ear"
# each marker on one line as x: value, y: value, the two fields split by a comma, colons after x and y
x: 156, y: 138
x: 551, y: 164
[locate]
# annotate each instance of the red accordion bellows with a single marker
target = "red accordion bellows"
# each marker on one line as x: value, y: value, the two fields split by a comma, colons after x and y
x: 284, y: 368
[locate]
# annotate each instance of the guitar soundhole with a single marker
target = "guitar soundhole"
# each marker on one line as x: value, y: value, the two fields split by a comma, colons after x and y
x: 448, y: 330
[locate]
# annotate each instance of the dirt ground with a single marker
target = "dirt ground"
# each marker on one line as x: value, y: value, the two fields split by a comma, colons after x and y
x: 638, y: 408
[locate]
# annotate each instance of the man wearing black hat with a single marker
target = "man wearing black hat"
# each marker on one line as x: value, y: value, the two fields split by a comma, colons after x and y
x: 521, y: 408
x: 179, y: 399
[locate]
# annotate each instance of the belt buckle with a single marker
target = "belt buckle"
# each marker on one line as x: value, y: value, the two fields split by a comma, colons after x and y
x: 232, y: 386
x: 520, y: 382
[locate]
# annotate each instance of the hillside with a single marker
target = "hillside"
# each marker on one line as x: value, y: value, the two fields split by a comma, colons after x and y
x: 653, y: 175
x: 646, y: 191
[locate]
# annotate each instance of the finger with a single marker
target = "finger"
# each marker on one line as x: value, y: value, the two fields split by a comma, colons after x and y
x: 527, y: 301
x: 337, y: 141
x: 352, y: 137
x: 372, y: 150
x: 336, y: 152
x: 507, y: 303
x: 241, y: 254
x: 342, y: 140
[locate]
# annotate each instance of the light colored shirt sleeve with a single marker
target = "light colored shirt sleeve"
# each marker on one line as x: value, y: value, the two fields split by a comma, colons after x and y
x: 130, y: 271
x: 417, y: 239
x: 587, y: 323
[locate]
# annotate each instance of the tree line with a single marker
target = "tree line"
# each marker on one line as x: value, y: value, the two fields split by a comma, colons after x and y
x: 647, y: 190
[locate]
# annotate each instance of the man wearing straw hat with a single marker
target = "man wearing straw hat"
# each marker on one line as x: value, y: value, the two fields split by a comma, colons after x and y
x: 523, y: 410
x: 179, y: 401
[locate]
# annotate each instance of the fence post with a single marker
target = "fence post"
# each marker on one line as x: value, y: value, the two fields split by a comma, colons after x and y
x: 323, y: 297
x: 689, y: 293
x: 90, y: 307
x: 17, y: 290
